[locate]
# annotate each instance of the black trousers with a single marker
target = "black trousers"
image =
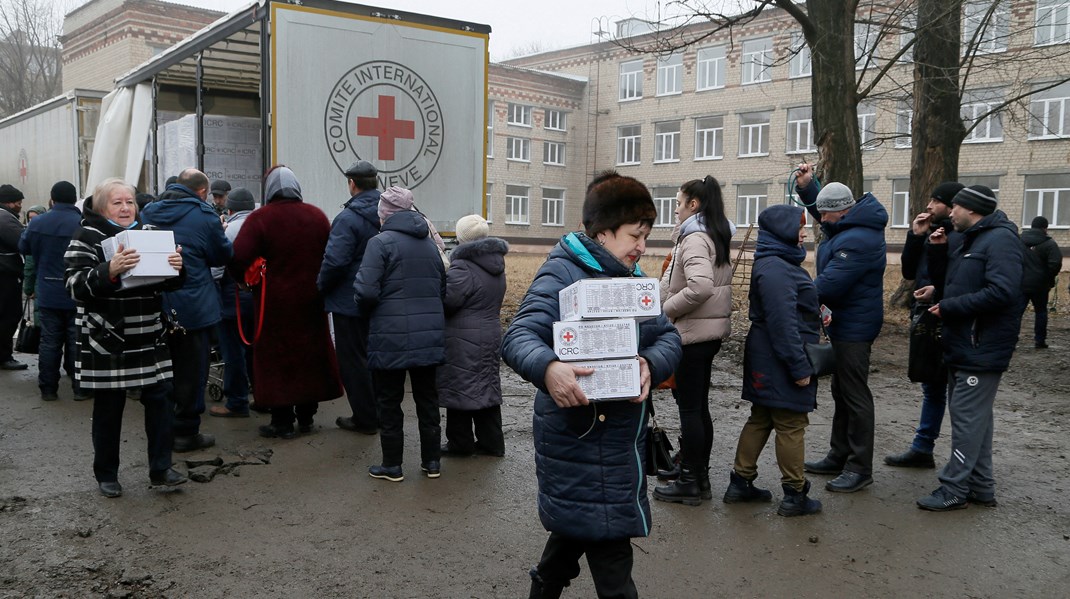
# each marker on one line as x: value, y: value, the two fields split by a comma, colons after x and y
x: 692, y: 395
x: 189, y: 362
x: 303, y: 413
x: 487, y: 425
x: 108, y: 405
x: 1040, y: 309
x: 852, y: 423
x: 351, y: 346
x: 10, y: 313
x: 610, y: 563
x: 390, y: 391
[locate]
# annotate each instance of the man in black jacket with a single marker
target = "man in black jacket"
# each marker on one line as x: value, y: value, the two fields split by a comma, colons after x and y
x: 10, y: 274
x: 916, y: 268
x: 1037, y: 240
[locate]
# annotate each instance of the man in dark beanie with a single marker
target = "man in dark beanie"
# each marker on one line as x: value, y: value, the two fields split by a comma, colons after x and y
x: 1047, y: 253
x: 980, y: 303
x: 10, y: 274
x: 916, y: 268
x: 46, y: 239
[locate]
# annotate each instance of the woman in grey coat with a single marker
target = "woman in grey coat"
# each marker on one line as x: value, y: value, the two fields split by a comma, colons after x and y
x: 469, y: 385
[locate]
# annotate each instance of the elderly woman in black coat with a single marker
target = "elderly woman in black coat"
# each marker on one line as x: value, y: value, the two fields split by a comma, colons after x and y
x: 469, y: 384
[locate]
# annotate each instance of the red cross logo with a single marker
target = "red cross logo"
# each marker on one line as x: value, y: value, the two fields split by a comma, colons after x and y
x: 646, y: 300
x: 22, y: 169
x: 386, y: 128
x: 568, y: 336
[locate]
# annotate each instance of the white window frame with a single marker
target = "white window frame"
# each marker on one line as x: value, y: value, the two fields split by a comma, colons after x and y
x: 631, y: 81
x: 865, y: 44
x: 518, y: 149
x: 519, y: 115
x: 989, y: 181
x: 670, y: 75
x: 667, y: 142
x: 867, y: 126
x: 665, y: 204
x: 709, y: 137
x: 490, y: 129
x: 749, y: 204
x: 994, y: 37
x: 710, y: 68
x: 1049, y: 113
x: 754, y: 137
x: 488, y: 195
x: 1052, y: 22
x: 800, y: 129
x: 517, y: 207
x: 554, y: 120
x: 755, y: 61
x: 900, y: 216
x: 909, y: 23
x: 1037, y: 197
x: 977, y: 103
x: 629, y: 147
x: 553, y: 153
x: 553, y: 209
x: 904, y: 123
x: 800, y: 57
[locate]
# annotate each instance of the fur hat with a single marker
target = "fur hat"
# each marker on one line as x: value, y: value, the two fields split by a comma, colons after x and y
x: 977, y: 198
x: 240, y: 199
x: 64, y: 192
x: 945, y: 192
x: 471, y: 228
x: 834, y: 197
x: 10, y: 194
x: 613, y: 200
x: 394, y: 200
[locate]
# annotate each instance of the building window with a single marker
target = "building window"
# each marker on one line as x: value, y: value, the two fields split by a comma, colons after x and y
x: 756, y: 59
x: 1048, y: 196
x: 909, y: 24
x: 800, y: 131
x: 629, y: 144
x: 488, y: 199
x: 665, y: 202
x: 900, y: 203
x: 631, y: 80
x: 904, y: 119
x: 976, y: 112
x: 800, y: 57
x: 519, y: 115
x: 985, y: 27
x: 710, y: 67
x: 989, y: 181
x: 709, y: 138
x: 490, y: 129
x: 553, y: 206
x: 667, y: 142
x: 754, y: 134
x: 555, y: 120
x: 518, y: 149
x: 750, y: 200
x: 670, y: 75
x: 867, y: 126
x: 1053, y: 22
x: 516, y: 204
x: 1049, y: 113
x: 553, y: 152
x: 866, y: 37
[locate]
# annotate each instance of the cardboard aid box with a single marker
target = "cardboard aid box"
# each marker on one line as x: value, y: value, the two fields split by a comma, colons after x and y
x: 596, y: 339
x: 612, y: 379
x: 153, y: 246
x: 627, y: 297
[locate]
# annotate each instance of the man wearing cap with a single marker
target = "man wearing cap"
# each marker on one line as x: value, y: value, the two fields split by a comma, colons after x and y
x: 237, y: 357
x: 1037, y: 240
x: 980, y: 302
x: 10, y: 274
x: 220, y: 190
x: 46, y: 239
x: 916, y: 268
x: 352, y: 228
x: 850, y: 282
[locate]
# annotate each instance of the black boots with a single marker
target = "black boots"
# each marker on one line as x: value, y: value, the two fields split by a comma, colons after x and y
x: 541, y: 589
x: 741, y: 490
x: 685, y: 490
x: 796, y: 503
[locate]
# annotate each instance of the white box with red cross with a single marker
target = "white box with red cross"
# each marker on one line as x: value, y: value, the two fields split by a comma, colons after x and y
x: 596, y: 339
x: 154, y: 246
x: 612, y: 379
x: 630, y: 297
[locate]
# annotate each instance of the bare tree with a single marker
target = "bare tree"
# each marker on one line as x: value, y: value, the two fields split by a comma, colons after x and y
x: 29, y: 53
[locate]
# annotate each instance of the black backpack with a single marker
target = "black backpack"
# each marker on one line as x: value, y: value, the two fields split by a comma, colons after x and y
x: 1034, y: 272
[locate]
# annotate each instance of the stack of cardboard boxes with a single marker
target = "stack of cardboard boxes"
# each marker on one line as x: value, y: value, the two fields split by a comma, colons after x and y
x: 599, y: 329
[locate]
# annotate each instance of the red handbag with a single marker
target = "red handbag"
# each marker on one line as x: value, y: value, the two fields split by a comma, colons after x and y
x: 255, y: 275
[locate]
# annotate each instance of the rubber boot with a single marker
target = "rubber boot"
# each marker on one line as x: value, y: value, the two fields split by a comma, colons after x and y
x: 704, y: 485
x: 540, y: 589
x: 683, y: 490
x: 741, y: 490
x: 796, y: 503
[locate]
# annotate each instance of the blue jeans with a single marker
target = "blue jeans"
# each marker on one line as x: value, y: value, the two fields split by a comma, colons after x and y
x: 933, y: 402
x: 237, y: 365
x: 59, y: 342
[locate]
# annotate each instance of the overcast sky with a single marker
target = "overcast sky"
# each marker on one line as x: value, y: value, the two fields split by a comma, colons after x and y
x: 550, y: 23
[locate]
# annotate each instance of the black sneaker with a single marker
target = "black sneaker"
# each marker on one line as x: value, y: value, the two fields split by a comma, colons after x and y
x: 911, y: 459
x: 823, y: 466
x: 14, y: 364
x: 390, y: 473
x: 981, y: 500
x: 273, y: 431
x: 110, y: 489
x: 942, y: 500
x: 432, y: 468
x: 193, y: 442
x: 167, y: 478
x: 49, y: 396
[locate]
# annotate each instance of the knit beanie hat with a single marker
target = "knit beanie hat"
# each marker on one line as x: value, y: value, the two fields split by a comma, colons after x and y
x: 945, y: 192
x: 471, y: 228
x: 240, y: 199
x: 834, y: 197
x: 10, y: 194
x: 394, y: 200
x: 64, y: 193
x: 977, y: 198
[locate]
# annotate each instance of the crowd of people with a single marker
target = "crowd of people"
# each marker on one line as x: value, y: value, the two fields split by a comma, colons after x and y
x: 401, y: 308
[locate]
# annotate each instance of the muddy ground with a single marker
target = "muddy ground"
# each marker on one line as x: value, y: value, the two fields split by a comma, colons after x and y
x: 301, y: 518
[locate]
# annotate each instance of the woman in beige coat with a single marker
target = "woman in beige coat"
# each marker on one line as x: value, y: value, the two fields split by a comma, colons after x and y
x: 696, y: 290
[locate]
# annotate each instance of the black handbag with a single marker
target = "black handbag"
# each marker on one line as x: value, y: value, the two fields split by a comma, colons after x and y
x: 658, y: 455
x: 28, y: 340
x: 925, y: 363
x: 821, y: 355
